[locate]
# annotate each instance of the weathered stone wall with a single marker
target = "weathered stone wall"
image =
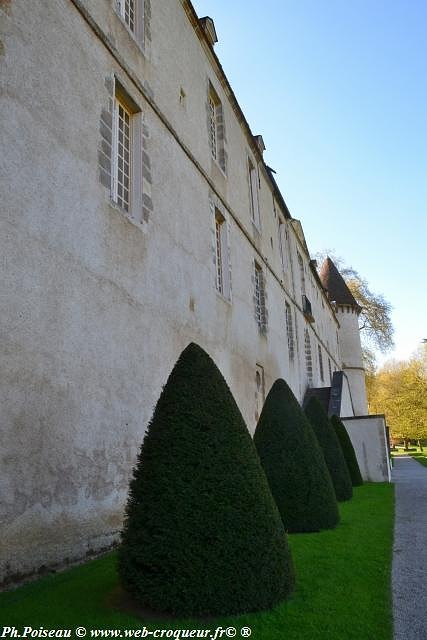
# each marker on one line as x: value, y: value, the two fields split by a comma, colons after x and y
x: 368, y: 437
x: 351, y: 356
x: 96, y: 306
x: 347, y: 407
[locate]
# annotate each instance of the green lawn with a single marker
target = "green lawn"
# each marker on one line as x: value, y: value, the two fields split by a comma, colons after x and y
x: 343, y: 586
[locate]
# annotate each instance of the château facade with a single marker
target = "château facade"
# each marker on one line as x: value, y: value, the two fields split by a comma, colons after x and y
x: 138, y: 215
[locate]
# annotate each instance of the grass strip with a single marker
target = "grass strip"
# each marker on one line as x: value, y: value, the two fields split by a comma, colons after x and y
x: 343, y: 586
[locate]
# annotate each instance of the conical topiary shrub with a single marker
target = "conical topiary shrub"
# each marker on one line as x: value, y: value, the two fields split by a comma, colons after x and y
x: 294, y: 464
x: 348, y: 451
x: 331, y: 449
x: 202, y: 534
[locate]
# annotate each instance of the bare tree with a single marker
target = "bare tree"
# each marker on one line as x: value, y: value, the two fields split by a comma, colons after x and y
x: 375, y: 318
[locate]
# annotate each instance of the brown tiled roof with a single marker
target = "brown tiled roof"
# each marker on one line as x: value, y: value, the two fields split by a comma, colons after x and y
x: 335, y: 285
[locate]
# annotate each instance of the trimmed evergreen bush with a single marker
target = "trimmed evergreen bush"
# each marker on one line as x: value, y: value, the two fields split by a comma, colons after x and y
x: 348, y: 451
x: 202, y: 534
x: 331, y: 448
x: 294, y: 464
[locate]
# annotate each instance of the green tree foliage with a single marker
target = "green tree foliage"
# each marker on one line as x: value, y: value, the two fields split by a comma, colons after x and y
x: 202, y: 533
x: 331, y: 448
x: 348, y: 451
x: 399, y: 389
x: 294, y: 463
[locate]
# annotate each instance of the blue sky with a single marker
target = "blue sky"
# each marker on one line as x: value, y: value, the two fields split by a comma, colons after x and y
x: 338, y: 91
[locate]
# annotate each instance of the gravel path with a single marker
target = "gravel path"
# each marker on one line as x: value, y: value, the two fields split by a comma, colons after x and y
x: 410, y: 550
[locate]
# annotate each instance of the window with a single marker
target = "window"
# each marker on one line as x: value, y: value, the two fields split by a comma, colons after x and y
x: 302, y: 274
x: 122, y: 155
x: 126, y: 161
x: 290, y: 331
x: 253, y: 193
x: 131, y: 13
x: 308, y: 358
x: 221, y: 256
x: 322, y: 373
x: 282, y: 244
x: 127, y: 9
x: 213, y: 138
x: 259, y: 390
x: 260, y: 310
x: 216, y: 128
x: 219, y: 224
x: 296, y: 331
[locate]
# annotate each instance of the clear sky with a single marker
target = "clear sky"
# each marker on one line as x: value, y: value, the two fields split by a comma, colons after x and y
x: 338, y: 90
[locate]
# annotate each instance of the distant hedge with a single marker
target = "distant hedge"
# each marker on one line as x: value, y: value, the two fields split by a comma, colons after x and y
x: 348, y: 451
x: 331, y: 449
x: 202, y: 533
x: 294, y: 464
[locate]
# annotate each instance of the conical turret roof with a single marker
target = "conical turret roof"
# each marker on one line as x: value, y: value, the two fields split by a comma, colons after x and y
x: 335, y: 284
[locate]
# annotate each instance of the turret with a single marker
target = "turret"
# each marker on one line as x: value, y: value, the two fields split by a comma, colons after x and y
x: 347, y: 312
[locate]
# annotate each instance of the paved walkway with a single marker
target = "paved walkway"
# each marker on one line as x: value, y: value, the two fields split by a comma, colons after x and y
x: 410, y: 550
